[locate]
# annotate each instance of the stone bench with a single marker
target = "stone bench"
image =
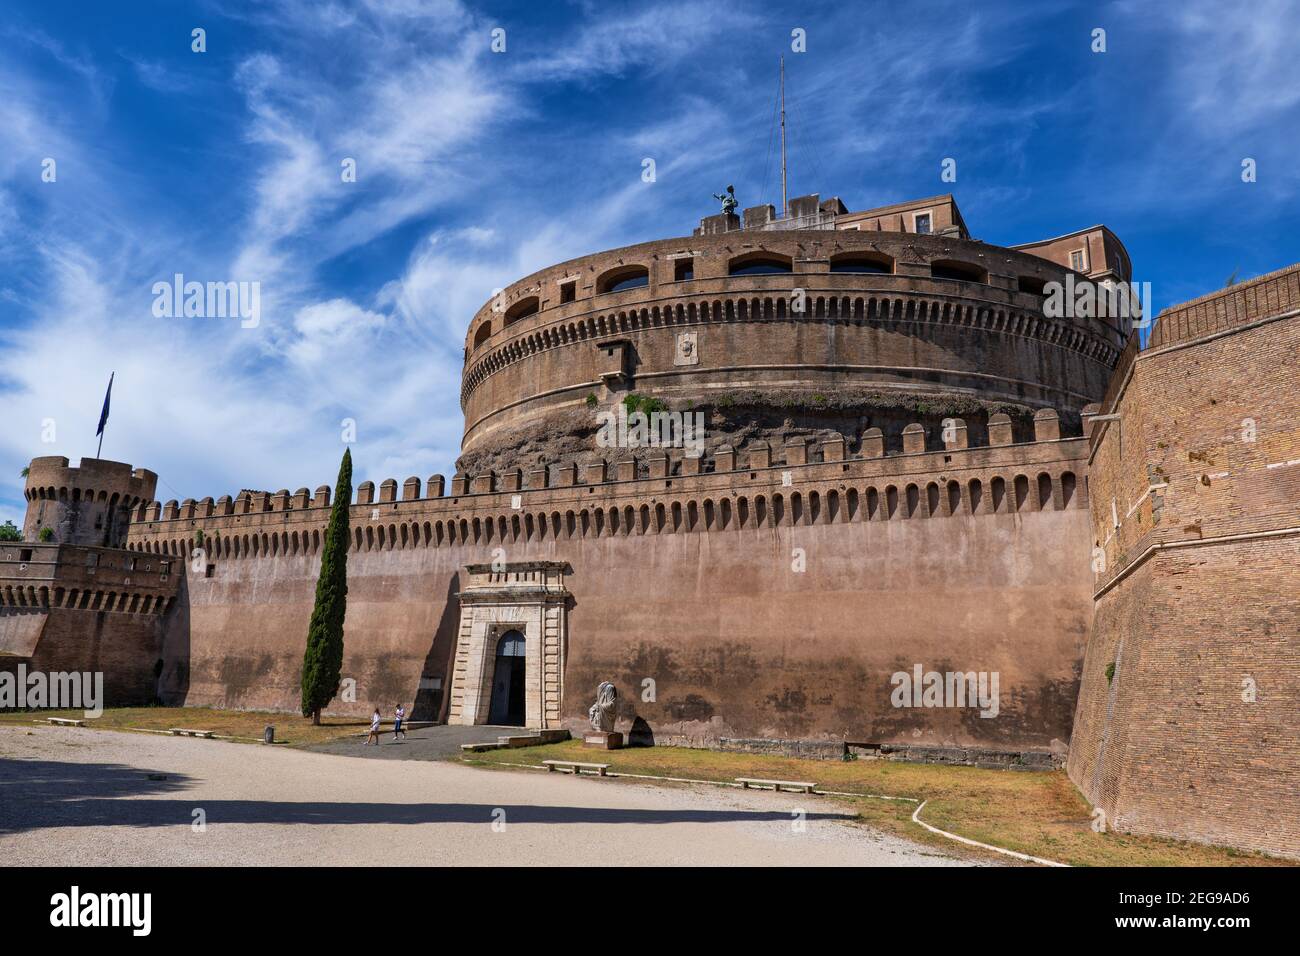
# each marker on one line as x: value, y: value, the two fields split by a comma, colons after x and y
x: 481, y: 748
x: 577, y: 765
x: 66, y: 722
x: 794, y: 786
x: 187, y: 732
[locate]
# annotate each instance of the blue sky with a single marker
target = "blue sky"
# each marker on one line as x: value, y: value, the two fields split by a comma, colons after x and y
x: 475, y: 168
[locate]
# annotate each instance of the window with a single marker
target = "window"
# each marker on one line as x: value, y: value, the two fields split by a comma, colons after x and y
x: 210, y: 570
x: 860, y: 263
x: 521, y: 310
x: 25, y: 555
x: 1079, y: 260
x: 683, y: 269
x: 631, y: 282
x: 568, y: 291
x: 483, y: 334
x: 965, y: 271
x: 759, y: 266
x: 92, y: 560
x: 622, y: 279
x: 1032, y: 285
x: 164, y: 568
x: 921, y: 223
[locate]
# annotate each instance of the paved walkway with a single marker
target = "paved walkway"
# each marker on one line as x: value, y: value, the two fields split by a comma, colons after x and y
x: 78, y: 797
x: 424, y: 743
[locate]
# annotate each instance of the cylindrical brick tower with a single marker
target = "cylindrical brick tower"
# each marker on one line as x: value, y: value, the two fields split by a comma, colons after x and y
x: 776, y: 335
x: 88, y: 505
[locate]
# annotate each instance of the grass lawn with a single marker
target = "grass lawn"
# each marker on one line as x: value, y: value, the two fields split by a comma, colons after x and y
x: 290, y: 729
x: 1035, y: 812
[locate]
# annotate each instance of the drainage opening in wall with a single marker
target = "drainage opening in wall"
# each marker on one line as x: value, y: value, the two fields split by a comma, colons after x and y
x: 861, y: 751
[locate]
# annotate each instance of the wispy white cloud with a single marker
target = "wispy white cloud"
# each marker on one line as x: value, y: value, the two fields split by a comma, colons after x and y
x: 470, y: 176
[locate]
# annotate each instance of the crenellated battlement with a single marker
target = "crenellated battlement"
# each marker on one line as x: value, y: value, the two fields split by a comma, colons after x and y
x: 758, y: 486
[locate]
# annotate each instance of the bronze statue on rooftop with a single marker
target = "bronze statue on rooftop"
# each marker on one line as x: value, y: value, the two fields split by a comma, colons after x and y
x: 728, y: 200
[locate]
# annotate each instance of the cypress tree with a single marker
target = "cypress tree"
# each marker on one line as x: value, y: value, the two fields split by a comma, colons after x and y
x: 322, y: 664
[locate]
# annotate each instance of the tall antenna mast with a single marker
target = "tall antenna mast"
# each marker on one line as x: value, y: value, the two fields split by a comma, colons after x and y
x: 785, y: 207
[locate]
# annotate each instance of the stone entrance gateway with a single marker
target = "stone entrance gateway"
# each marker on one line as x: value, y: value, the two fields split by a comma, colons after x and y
x: 510, y: 646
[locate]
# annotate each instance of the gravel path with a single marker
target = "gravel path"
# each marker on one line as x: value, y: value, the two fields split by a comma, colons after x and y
x: 88, y: 797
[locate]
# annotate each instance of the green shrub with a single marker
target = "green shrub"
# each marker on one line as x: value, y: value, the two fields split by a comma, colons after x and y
x: 643, y: 403
x: 46, y: 534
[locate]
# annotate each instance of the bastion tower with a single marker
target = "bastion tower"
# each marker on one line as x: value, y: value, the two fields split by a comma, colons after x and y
x: 88, y: 505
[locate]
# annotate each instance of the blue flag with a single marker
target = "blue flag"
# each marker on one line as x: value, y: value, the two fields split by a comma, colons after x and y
x: 103, y: 416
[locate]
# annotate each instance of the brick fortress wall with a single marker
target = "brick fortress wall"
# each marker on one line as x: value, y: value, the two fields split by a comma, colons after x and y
x: 970, y: 559
x: 73, y: 608
x: 1195, y: 502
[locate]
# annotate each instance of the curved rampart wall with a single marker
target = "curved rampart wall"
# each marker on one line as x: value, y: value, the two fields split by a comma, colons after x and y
x: 768, y: 600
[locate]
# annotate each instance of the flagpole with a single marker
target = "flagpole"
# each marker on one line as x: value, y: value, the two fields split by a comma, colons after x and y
x: 103, y: 416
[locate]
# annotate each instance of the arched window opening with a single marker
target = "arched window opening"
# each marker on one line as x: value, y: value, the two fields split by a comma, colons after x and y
x: 760, y: 264
x: 622, y: 279
x: 520, y: 310
x: 863, y: 264
x: 952, y: 269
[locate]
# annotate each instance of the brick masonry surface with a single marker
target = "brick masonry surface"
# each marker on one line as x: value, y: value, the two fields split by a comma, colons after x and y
x: 1195, y: 504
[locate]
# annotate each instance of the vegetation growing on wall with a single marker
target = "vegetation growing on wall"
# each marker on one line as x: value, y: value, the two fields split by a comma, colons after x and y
x: 643, y: 403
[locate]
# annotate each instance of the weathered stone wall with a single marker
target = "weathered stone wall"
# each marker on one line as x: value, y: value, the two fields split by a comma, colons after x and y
x: 1195, y: 504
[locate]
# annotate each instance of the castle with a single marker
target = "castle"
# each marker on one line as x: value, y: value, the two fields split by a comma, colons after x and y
x: 907, y: 465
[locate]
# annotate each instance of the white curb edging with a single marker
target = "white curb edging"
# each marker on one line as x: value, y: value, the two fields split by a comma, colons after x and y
x: 916, y: 818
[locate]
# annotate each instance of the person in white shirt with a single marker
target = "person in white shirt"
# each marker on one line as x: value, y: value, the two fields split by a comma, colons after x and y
x: 374, y: 728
